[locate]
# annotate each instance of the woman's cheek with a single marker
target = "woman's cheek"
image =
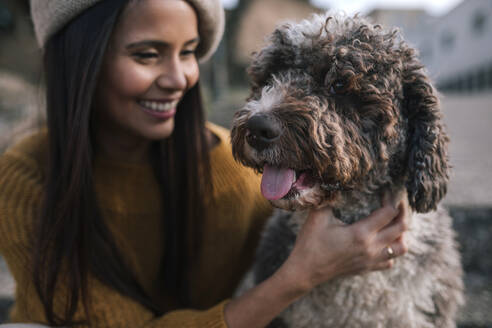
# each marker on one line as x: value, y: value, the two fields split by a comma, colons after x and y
x: 193, y: 74
x: 133, y: 79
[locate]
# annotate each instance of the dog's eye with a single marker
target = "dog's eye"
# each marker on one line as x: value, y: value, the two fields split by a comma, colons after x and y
x: 337, y: 87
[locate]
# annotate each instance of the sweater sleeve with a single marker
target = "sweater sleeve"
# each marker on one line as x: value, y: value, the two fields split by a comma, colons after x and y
x: 112, y: 309
x: 20, y: 199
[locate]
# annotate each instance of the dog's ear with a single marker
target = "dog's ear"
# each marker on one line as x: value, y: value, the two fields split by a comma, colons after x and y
x: 427, y: 141
x: 276, y: 54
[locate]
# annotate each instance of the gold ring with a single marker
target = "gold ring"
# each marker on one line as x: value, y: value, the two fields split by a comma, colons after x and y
x: 390, y: 251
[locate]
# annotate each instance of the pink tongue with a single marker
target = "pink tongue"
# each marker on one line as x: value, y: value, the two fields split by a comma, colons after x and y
x: 276, y: 182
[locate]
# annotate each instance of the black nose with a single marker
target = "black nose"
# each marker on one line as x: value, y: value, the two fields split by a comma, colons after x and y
x: 263, y: 131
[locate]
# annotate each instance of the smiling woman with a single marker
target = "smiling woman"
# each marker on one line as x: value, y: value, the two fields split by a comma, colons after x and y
x: 148, y: 68
x: 129, y: 209
x: 126, y: 134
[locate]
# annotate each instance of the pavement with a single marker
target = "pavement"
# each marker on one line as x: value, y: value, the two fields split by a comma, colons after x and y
x: 469, y: 122
x: 469, y: 125
x: 469, y: 198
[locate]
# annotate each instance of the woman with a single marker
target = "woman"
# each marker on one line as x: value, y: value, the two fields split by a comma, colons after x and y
x: 129, y: 210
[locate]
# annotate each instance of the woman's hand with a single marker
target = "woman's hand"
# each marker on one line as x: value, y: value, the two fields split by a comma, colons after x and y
x: 326, y: 248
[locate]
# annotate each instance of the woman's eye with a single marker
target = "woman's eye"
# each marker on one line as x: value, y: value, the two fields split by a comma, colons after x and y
x: 188, y: 52
x: 145, y: 55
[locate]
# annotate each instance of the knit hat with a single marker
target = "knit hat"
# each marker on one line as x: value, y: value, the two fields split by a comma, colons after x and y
x: 50, y: 16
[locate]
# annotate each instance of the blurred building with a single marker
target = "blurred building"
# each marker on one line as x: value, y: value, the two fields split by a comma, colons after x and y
x: 412, y: 22
x: 456, y: 47
x: 249, y: 25
x: 260, y: 19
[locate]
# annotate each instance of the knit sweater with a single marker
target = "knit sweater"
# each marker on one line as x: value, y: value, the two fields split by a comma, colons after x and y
x: 129, y: 198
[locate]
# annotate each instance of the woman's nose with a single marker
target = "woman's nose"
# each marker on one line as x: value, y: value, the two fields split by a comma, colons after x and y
x: 173, y: 75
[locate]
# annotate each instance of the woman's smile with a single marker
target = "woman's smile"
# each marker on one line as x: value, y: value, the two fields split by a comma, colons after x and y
x: 159, y: 105
x: 162, y: 109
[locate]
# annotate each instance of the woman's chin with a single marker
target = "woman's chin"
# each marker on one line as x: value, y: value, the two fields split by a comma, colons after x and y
x: 163, y: 131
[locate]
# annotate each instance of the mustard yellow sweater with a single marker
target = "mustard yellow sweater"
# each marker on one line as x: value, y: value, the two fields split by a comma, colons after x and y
x: 130, y: 201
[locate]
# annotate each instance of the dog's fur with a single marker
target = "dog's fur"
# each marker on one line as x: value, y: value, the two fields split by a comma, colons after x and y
x: 358, y: 113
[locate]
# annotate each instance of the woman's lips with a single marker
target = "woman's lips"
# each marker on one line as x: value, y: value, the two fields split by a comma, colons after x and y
x: 159, y: 109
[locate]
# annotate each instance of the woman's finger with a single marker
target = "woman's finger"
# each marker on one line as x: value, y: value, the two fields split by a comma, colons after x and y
x: 393, y: 230
x: 383, y: 265
x: 398, y: 225
x: 320, y: 216
x: 378, y: 219
x: 322, y: 212
x: 393, y: 250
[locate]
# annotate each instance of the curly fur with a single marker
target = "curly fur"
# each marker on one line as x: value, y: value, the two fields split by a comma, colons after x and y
x: 358, y: 113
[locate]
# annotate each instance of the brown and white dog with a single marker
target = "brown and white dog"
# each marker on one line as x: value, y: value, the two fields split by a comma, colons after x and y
x: 341, y: 111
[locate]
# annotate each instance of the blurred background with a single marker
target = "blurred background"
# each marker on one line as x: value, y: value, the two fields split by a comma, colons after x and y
x: 454, y: 38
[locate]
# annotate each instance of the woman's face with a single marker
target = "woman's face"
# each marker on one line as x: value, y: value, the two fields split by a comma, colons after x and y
x: 148, y: 67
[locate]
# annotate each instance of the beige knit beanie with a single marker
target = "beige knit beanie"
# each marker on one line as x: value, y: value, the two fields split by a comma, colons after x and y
x: 50, y: 16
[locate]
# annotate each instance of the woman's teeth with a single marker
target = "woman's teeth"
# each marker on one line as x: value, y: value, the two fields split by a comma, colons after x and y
x: 158, y: 106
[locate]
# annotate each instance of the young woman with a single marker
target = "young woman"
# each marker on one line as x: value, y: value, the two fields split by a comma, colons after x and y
x: 129, y: 211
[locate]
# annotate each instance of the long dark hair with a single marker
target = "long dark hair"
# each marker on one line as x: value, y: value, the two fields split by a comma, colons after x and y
x: 72, y: 240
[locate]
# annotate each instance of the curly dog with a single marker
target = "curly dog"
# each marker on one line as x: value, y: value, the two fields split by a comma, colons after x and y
x: 340, y: 112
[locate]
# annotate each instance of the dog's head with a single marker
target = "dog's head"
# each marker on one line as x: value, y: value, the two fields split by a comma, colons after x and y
x: 338, y: 104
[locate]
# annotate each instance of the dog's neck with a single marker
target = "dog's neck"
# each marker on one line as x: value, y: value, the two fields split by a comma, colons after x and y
x: 354, y: 205
x: 352, y: 208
